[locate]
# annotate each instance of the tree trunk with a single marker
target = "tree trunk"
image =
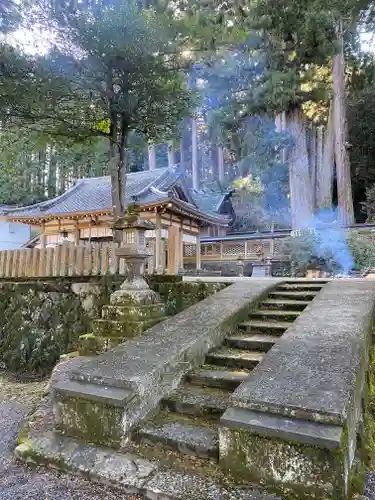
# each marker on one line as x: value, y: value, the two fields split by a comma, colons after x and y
x: 344, y: 183
x: 194, y: 154
x: 221, y: 171
x: 52, y: 173
x: 151, y: 157
x: 171, y: 154
x: 325, y: 162
x: 299, y: 175
x: 313, y: 159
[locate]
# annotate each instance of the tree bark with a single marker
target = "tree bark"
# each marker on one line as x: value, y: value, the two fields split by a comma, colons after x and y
x: 151, y: 157
x: 299, y: 175
x: 313, y: 166
x: 221, y: 170
x: 194, y: 154
x: 325, y: 163
x: 171, y: 154
x: 344, y: 183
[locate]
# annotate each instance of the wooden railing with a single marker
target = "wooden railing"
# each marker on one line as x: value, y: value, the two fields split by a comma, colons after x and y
x: 247, y: 249
x: 62, y: 261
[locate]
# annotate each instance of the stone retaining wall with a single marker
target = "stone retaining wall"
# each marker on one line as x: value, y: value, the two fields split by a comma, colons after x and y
x: 106, y: 397
x: 295, y: 424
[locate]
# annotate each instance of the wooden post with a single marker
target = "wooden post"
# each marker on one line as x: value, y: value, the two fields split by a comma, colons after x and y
x: 221, y: 249
x: 272, y: 244
x: 198, y: 251
x: 76, y: 233
x: 158, y: 249
x: 43, y: 237
x: 245, y: 249
x: 173, y: 249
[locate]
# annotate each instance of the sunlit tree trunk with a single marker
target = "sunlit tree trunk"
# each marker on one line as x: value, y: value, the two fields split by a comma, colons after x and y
x: 344, y: 183
x: 194, y: 154
x: 220, y: 163
x: 299, y: 174
x: 171, y: 154
x: 325, y: 164
x: 151, y: 157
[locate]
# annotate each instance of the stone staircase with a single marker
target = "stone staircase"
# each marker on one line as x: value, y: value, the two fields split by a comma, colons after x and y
x: 188, y: 419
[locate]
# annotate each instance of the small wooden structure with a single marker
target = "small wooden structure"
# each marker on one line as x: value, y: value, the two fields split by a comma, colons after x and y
x: 83, y: 215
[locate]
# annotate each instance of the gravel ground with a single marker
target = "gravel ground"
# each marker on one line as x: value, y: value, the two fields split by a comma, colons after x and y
x: 19, y: 482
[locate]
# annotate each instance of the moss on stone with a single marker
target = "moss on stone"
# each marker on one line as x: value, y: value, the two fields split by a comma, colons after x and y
x: 90, y: 421
x: 295, y: 471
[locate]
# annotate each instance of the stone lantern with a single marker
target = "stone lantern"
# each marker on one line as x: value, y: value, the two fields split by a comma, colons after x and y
x: 133, y: 249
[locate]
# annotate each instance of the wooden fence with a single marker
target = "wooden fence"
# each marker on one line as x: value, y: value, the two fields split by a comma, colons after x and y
x: 62, y: 261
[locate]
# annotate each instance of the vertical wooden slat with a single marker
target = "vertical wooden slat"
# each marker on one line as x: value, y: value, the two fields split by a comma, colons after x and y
x: 35, y: 262
x: 87, y: 261
x: 96, y: 261
x: 28, y: 262
x: 21, y: 263
x: 79, y: 261
x: 15, y: 266
x: 113, y: 264
x: 2, y: 264
x: 104, y: 262
x: 72, y: 260
x: 49, y: 261
x: 56, y: 261
x: 42, y: 263
x: 63, y: 271
x: 9, y: 262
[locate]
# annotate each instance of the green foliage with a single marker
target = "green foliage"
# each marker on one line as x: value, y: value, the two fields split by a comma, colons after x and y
x: 302, y: 248
x: 369, y: 204
x: 362, y: 247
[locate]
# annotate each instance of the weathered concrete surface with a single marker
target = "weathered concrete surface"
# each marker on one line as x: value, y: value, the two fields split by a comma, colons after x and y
x: 130, y: 474
x: 153, y: 365
x: 309, y: 387
x: 314, y: 369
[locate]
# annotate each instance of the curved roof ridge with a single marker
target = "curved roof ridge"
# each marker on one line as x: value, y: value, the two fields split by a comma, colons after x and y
x: 49, y: 203
x: 162, y: 175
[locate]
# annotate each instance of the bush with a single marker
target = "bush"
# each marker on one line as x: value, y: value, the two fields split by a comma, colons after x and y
x: 300, y: 249
x: 37, y: 327
x: 362, y: 247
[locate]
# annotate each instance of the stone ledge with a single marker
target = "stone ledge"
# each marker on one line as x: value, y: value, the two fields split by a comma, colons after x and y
x: 114, y: 396
x: 317, y: 366
x: 275, y: 426
x: 126, y: 472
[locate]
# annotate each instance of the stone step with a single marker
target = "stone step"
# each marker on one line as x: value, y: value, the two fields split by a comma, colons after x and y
x: 133, y: 312
x: 187, y: 439
x: 122, y: 329
x: 192, y: 400
x: 285, y: 304
x: 274, y: 315
x: 293, y: 294
x: 264, y: 327
x: 213, y: 376
x: 256, y: 342
x: 235, y: 358
x: 301, y: 286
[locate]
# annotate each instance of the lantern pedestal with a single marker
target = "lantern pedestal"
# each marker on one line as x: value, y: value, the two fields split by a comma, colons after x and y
x: 133, y: 308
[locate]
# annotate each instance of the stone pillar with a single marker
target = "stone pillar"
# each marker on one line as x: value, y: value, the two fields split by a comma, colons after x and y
x: 151, y: 157
x: 198, y: 252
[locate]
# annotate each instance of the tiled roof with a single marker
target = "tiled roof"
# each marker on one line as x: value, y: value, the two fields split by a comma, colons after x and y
x: 94, y: 194
x: 147, y: 187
